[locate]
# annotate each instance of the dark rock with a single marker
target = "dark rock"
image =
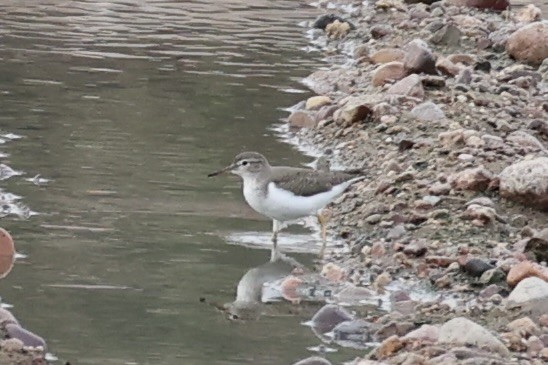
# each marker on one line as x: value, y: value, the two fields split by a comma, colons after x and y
x: 324, y: 20
x: 464, y: 76
x: 482, y: 4
x: 482, y: 65
x: 476, y: 267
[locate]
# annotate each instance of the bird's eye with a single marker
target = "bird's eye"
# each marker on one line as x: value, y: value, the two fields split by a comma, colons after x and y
x: 244, y: 163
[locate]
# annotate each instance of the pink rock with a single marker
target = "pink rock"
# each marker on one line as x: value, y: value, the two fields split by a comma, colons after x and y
x: 528, y: 14
x: 477, y: 178
x: 391, y: 71
x: 410, y: 85
x: 447, y: 67
x: 529, y: 44
x: 524, y: 270
x: 301, y: 119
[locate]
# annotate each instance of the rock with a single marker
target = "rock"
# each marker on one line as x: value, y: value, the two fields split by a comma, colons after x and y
x: 316, y: 102
x: 416, y: 249
x: 380, y: 30
x: 490, y: 291
x: 419, y: 58
x: 28, y: 338
x: 391, y: 71
x: 528, y: 289
x: 524, y: 139
x: 529, y: 44
x: 301, y: 119
x: 492, y: 276
x: 537, y: 246
x: 442, y: 261
x: 482, y: 4
x: 480, y: 215
x: 410, y: 85
x: 524, y: 325
x: 314, y: 360
x: 448, y: 35
x: 476, y: 267
x: 396, y: 232
x: 288, y: 289
x: 447, y: 67
x: 357, y: 109
x: 328, y: 317
x: 477, y: 179
x: 386, y: 55
x: 337, y: 29
x: 464, y: 76
x: 427, y: 112
x: 381, y: 281
x: 357, y: 331
x: 463, y: 331
x: 333, y: 272
x: 388, y: 347
x: 526, y: 182
x: 393, y: 328
x: 425, y: 333
x: 439, y: 188
x: 524, y: 270
x: 528, y: 14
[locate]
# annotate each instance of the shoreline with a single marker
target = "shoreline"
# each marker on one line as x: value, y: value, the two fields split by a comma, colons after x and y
x: 454, y: 135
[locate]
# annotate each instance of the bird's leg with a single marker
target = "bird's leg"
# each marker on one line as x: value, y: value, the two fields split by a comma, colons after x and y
x: 275, y: 254
x: 322, y: 220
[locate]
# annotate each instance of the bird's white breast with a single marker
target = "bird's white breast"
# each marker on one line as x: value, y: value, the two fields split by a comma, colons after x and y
x: 283, y: 205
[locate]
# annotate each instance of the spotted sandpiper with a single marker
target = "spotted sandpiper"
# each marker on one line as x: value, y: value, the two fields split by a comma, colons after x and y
x: 285, y: 193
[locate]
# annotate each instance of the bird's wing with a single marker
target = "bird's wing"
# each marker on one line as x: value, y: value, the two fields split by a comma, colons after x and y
x: 307, y: 182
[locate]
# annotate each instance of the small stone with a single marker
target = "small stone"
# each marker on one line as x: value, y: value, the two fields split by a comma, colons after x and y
x: 489, y: 291
x: 361, y: 51
x: 393, y: 328
x: 328, y: 317
x: 381, y: 281
x: 482, y: 4
x: 396, y: 232
x: 388, y: 72
x: 316, y: 102
x: 373, y: 218
x: 447, y: 67
x: 479, y: 215
x: 534, y: 345
x: 492, y: 276
x: 439, y: 188
x: 377, y: 249
x: 532, y: 288
x: 537, y: 246
x: 388, y: 347
x: 337, y: 29
x: 441, y: 261
x: 415, y: 249
x: 464, y: 76
x: 380, y: 30
x: 386, y: 55
x: 427, y: 112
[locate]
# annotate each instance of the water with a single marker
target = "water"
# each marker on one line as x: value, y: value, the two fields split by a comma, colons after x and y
x: 125, y: 107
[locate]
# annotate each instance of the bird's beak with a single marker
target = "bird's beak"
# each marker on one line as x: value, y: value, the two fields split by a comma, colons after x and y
x: 222, y: 171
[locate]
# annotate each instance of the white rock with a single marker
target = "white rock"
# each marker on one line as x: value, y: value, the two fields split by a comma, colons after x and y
x: 463, y: 331
x: 529, y: 289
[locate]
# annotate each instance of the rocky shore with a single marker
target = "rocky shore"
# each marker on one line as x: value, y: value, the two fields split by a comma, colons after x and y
x: 445, y: 105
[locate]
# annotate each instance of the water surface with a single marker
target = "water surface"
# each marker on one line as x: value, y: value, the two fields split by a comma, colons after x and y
x: 127, y: 106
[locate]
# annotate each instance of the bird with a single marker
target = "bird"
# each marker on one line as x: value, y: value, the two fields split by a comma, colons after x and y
x: 284, y: 193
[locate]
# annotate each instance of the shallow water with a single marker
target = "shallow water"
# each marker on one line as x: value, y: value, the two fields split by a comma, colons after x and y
x: 126, y: 106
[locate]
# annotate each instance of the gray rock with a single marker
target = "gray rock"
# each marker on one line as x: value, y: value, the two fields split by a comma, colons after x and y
x: 28, y: 338
x: 419, y: 58
x: 463, y: 331
x: 410, y: 85
x: 526, y: 182
x: 492, y: 276
x: 449, y: 35
x: 328, y: 317
x: 529, y: 289
x: 428, y: 112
